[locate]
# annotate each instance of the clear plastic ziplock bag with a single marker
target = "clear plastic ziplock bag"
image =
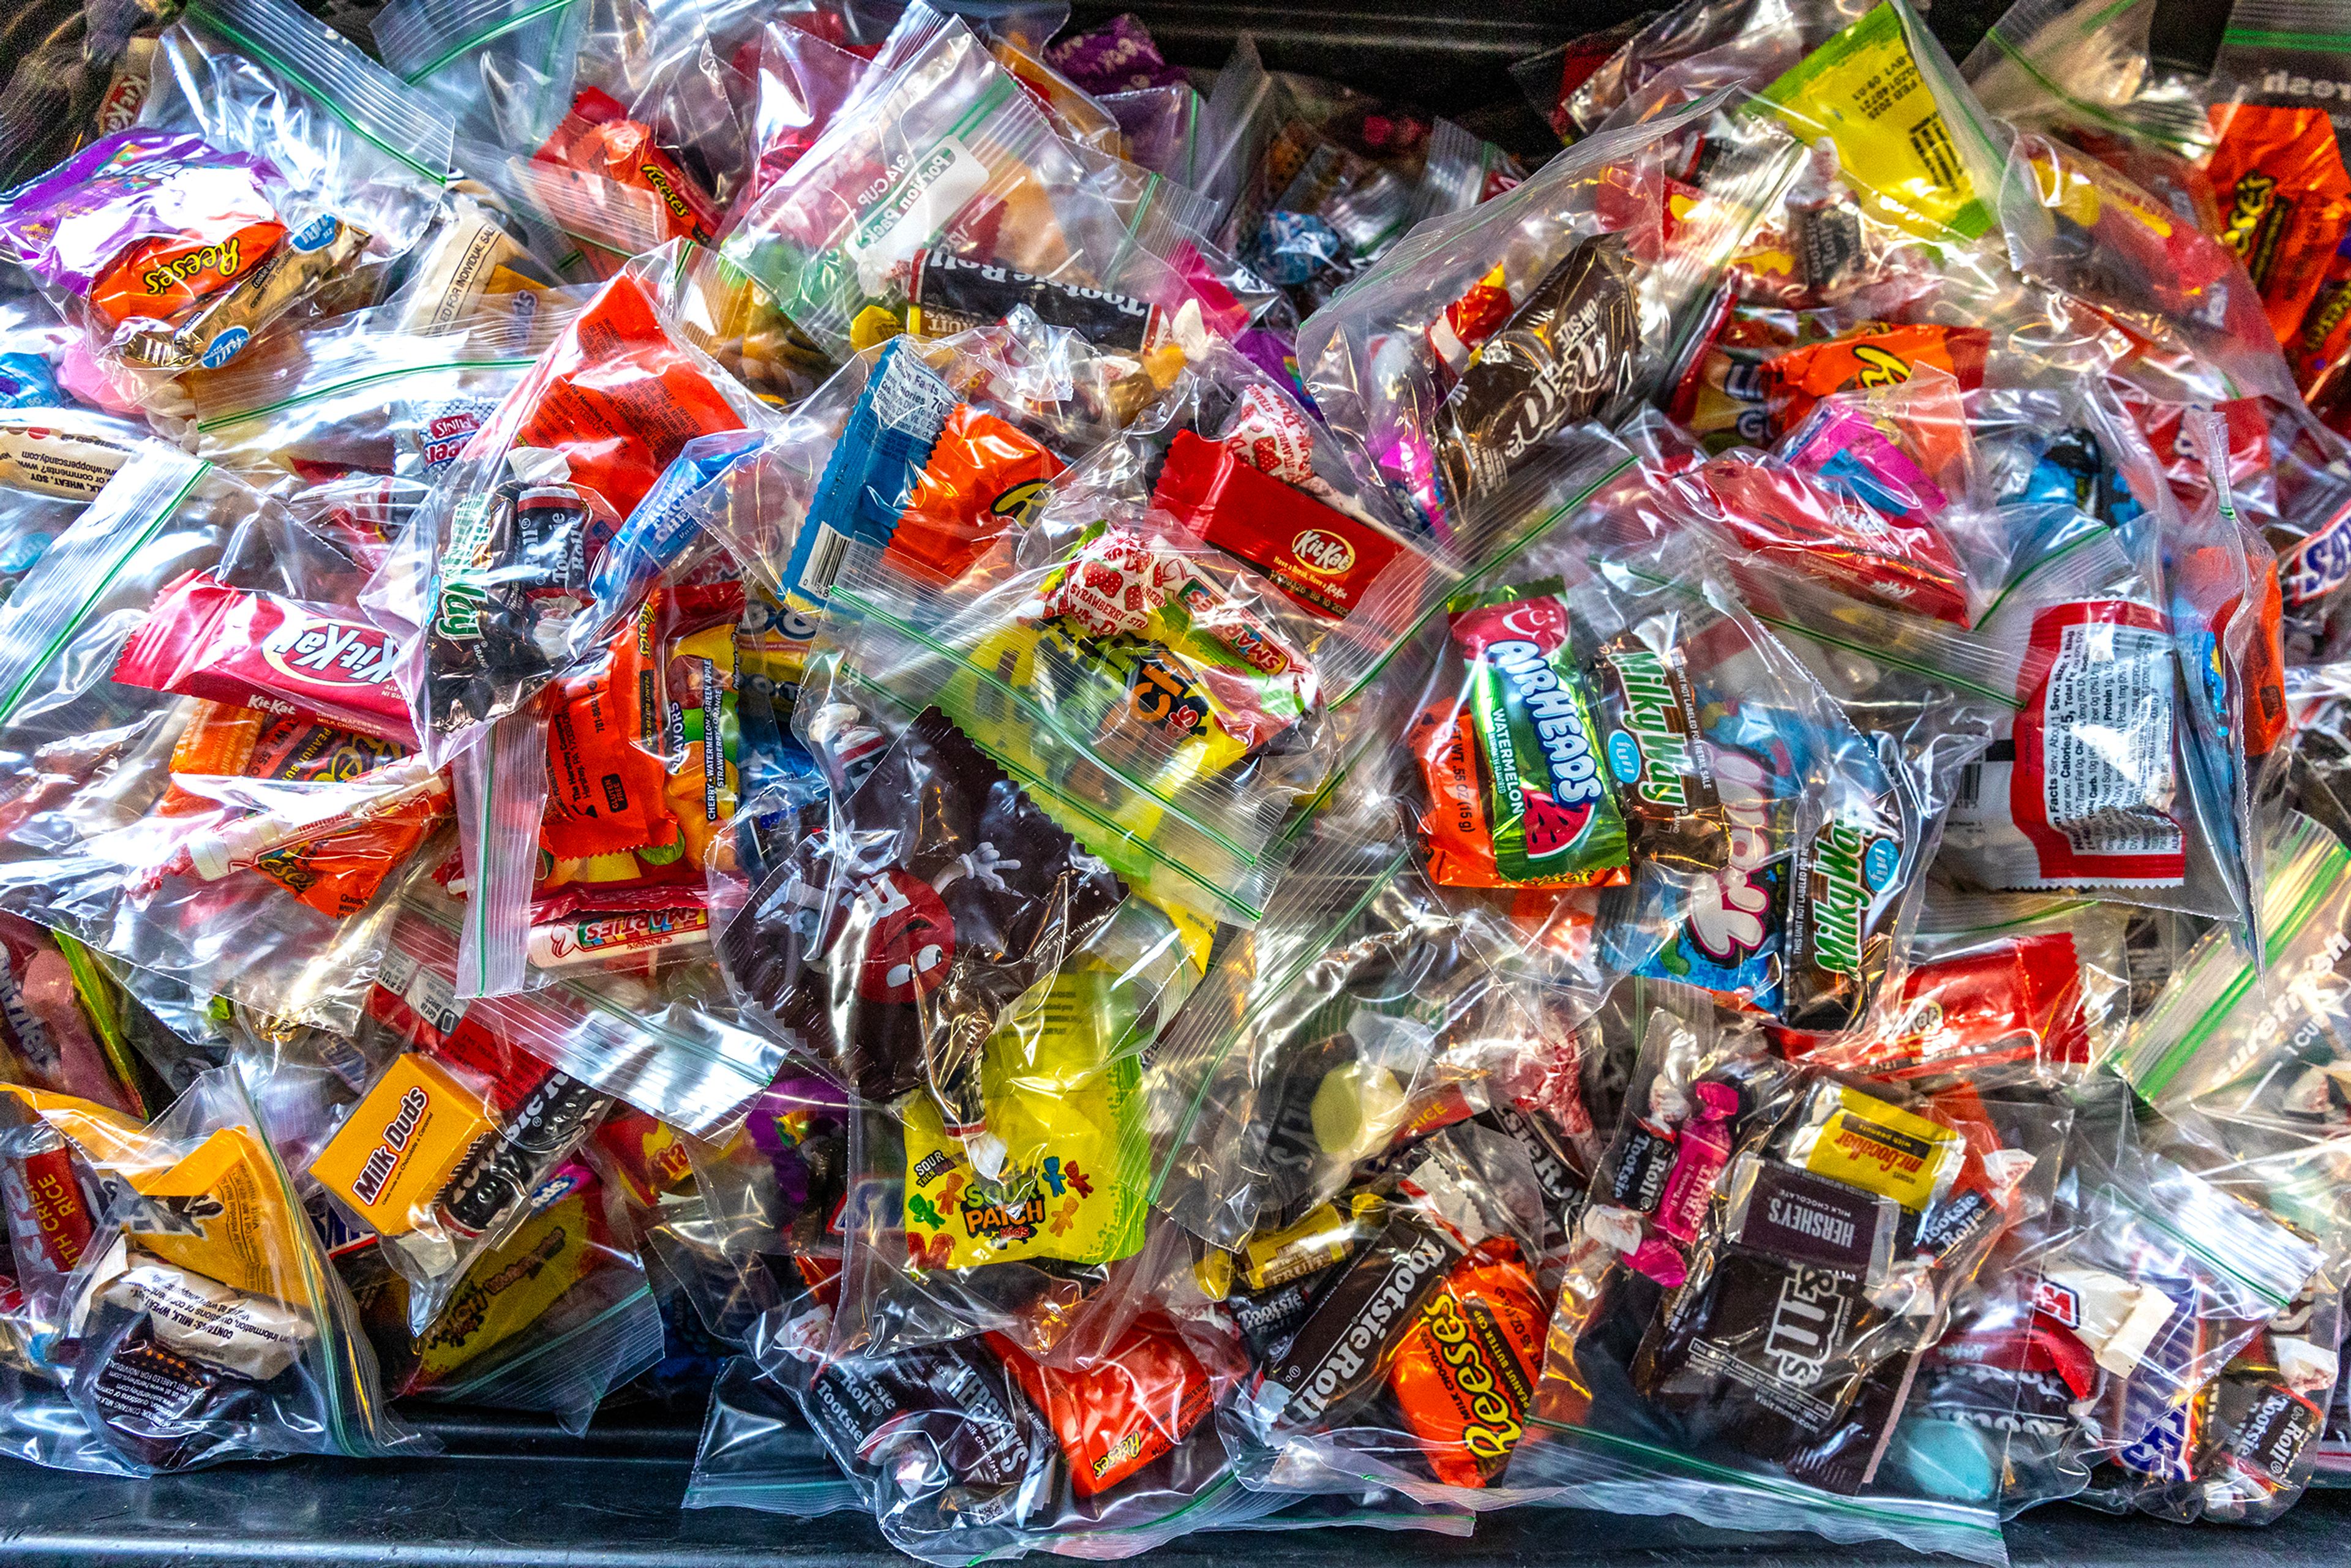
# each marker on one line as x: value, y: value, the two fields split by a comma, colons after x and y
x: 368, y: 395
x: 1415, y: 1363
x: 2088, y: 72
x: 152, y: 794
x: 2079, y: 227
x: 975, y: 1448
x: 2164, y: 1280
x: 496, y: 583
x: 667, y: 1045
x: 2236, y: 1051
x: 2037, y: 983
x: 756, y: 1452
x: 804, y: 79
x: 945, y: 947
x: 1162, y: 704
x: 1720, y: 1342
x: 501, y: 70
x: 442, y: 1154
x: 550, y: 1319
x: 1573, y: 281
x: 297, y: 158
x: 2138, y: 825
x: 198, y: 1318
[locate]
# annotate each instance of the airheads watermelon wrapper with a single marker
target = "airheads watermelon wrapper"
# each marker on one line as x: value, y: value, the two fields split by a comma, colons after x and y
x: 1549, y: 810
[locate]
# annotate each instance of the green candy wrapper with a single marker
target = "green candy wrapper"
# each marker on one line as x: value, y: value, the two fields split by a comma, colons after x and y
x: 1549, y: 805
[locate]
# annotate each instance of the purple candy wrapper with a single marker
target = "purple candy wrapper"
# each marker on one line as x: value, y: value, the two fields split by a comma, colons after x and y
x: 66, y: 225
x: 1276, y: 353
x: 1117, y: 57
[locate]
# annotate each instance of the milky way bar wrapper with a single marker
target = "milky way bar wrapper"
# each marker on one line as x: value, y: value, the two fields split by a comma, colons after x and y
x: 1838, y: 935
x: 950, y: 295
x: 1566, y: 350
x: 1804, y: 1218
x: 1337, y: 1358
x: 1647, y: 711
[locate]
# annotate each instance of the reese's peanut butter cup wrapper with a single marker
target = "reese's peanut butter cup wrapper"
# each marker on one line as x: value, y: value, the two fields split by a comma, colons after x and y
x: 1122, y: 1409
x: 2285, y: 202
x: 1464, y: 1372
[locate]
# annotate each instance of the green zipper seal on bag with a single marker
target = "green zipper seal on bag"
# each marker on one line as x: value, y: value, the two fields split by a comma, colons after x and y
x: 80, y: 617
x: 238, y: 37
x: 355, y: 384
x: 474, y: 42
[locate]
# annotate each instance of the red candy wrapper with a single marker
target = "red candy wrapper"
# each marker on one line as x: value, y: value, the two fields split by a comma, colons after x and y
x: 599, y: 138
x: 205, y: 638
x: 1123, y: 1411
x: 1779, y: 512
x: 1323, y: 559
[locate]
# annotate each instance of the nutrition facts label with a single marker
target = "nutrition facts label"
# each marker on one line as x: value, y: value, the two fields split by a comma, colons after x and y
x: 2107, y: 741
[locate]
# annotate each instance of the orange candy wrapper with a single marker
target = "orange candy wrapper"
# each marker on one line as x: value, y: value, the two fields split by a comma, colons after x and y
x: 620, y: 400
x: 599, y: 138
x: 1867, y: 357
x: 337, y: 874
x: 983, y: 476
x: 1464, y: 1372
x: 2285, y: 199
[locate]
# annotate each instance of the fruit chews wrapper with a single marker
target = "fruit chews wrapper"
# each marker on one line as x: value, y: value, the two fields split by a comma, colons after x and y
x: 1519, y: 794
x: 2285, y: 202
x: 173, y: 254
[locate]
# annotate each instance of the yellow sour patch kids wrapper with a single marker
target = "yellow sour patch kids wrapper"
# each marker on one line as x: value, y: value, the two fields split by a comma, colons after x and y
x: 1062, y: 1091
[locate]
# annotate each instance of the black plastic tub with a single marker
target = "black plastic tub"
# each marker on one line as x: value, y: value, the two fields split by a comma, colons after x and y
x: 514, y: 1490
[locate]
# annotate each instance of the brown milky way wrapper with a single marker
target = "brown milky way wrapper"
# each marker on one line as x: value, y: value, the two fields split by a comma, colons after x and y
x: 1567, y: 348
x: 891, y: 942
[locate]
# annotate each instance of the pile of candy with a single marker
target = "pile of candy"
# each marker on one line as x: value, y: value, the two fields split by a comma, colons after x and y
x: 1168, y: 800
